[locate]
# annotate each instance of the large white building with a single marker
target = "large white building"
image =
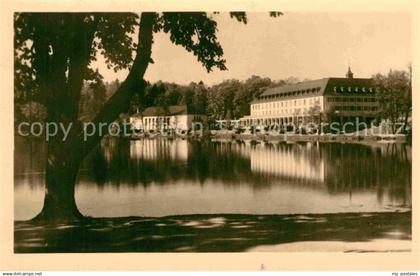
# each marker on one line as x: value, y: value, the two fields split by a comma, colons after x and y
x: 342, y: 99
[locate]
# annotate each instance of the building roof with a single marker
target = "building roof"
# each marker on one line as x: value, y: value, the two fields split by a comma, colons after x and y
x: 172, y: 110
x: 313, y: 88
x: 313, y: 85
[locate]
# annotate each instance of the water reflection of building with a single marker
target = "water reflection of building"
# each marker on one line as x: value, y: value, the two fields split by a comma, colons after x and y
x: 331, y: 167
x: 338, y: 167
x: 297, y: 162
x: 153, y: 149
x: 384, y: 167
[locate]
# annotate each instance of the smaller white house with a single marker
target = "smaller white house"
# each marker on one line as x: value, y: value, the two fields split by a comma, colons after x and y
x: 171, y: 117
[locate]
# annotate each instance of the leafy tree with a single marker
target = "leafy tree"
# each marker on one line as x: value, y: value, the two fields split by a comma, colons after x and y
x: 227, y: 99
x: 53, y: 58
x: 252, y: 88
x: 221, y: 96
x: 315, y: 112
x: 33, y: 112
x: 394, y: 93
x: 173, y: 94
x: 199, y: 101
x: 93, y: 96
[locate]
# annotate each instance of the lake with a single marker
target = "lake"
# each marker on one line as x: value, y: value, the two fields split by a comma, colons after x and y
x: 160, y: 177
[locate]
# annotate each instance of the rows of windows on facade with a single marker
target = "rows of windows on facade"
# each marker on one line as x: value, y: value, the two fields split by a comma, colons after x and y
x: 347, y: 98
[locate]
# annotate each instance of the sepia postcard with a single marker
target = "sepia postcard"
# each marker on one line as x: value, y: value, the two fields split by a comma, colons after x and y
x: 217, y: 135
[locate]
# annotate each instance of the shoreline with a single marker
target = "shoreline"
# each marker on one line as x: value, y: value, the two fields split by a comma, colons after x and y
x: 350, y: 138
x: 287, y: 138
x: 327, y: 138
x: 219, y: 233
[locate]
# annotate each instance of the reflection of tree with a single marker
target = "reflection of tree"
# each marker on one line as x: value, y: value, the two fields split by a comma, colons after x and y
x: 29, y: 161
x: 339, y: 168
x: 205, y: 160
x: 386, y: 168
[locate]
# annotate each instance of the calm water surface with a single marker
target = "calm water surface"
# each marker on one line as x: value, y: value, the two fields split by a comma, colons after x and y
x: 163, y: 177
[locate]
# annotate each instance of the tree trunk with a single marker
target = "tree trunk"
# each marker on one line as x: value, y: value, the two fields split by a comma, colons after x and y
x: 64, y: 157
x: 60, y: 179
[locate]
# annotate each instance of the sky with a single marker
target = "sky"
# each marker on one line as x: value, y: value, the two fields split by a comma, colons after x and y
x: 303, y: 45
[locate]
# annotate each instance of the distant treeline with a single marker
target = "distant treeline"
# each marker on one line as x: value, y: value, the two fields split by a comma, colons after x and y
x: 227, y: 100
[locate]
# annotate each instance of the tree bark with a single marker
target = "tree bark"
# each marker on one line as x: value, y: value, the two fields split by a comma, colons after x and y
x: 120, y: 100
x: 60, y: 179
x: 65, y: 157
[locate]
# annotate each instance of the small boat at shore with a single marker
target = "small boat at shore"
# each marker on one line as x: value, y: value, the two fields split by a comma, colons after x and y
x: 152, y: 134
x: 136, y: 136
x: 182, y: 133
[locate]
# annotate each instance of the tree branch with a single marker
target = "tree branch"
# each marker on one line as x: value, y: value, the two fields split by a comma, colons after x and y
x: 78, y: 62
x: 120, y: 100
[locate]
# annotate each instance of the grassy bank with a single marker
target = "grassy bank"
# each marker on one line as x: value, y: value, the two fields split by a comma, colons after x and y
x: 208, y: 233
